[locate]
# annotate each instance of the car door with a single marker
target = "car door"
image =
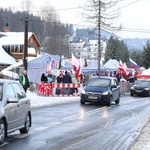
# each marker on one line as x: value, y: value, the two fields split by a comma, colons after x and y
x: 10, y: 109
x: 115, y: 89
x: 22, y: 104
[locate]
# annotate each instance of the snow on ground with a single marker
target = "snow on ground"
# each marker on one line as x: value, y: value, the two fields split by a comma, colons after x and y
x: 39, y: 100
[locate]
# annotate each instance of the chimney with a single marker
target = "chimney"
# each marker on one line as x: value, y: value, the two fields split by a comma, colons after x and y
x: 6, y: 28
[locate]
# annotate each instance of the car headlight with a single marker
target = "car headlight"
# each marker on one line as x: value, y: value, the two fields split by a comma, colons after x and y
x: 105, y: 93
x: 146, y: 88
x: 132, y: 88
x: 83, y: 92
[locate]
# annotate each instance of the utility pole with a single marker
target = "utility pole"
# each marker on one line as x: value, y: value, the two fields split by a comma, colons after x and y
x: 25, y: 44
x: 99, y: 37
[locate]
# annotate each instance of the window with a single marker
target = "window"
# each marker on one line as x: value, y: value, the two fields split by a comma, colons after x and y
x: 12, y: 48
x: 20, y: 93
x: 99, y: 82
x: 10, y: 91
x: 114, y: 82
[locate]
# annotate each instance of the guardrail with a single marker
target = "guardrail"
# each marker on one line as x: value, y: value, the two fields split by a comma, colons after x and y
x: 125, y: 87
x: 66, y: 89
x: 59, y: 89
x: 70, y: 89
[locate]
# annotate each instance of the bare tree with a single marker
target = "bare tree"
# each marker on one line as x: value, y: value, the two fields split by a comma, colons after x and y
x: 105, y: 10
x: 49, y: 17
x: 26, y: 5
x: 46, y: 25
x: 54, y: 32
x: 100, y: 14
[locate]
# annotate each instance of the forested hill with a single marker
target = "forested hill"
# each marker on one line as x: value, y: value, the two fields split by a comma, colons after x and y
x: 132, y: 43
x: 135, y: 43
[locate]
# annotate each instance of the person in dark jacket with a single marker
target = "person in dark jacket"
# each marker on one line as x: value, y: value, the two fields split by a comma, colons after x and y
x: 67, y: 79
x: 44, y: 78
x: 24, y: 81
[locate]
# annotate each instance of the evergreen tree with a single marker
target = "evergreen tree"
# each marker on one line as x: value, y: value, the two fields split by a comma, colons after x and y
x: 116, y: 49
x: 146, y: 55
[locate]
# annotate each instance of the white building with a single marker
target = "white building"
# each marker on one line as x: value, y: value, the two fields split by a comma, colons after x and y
x: 90, y: 51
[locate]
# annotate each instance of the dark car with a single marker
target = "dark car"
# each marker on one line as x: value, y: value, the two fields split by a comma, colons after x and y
x: 101, y: 89
x: 141, y: 87
x: 15, y: 108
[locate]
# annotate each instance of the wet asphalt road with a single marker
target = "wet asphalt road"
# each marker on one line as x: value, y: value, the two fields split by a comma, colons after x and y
x: 83, y: 127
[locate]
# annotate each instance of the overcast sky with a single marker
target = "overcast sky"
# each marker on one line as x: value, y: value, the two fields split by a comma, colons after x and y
x: 134, y: 14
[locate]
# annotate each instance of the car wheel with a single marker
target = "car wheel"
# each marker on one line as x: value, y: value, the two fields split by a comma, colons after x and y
x: 109, y: 102
x: 131, y: 94
x: 2, y: 131
x: 82, y: 102
x: 26, y: 125
x: 118, y: 100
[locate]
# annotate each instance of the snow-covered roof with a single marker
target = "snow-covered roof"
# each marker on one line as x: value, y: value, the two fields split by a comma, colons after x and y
x: 146, y: 72
x: 10, y: 74
x: 6, y: 58
x: 16, y: 64
x: 14, y: 33
x: 13, y: 38
x: 111, y: 64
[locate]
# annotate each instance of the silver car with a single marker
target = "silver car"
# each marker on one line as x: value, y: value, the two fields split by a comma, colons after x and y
x: 15, y: 108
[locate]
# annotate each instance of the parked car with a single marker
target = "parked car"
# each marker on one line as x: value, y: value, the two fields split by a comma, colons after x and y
x: 141, y: 87
x: 101, y: 89
x: 15, y: 108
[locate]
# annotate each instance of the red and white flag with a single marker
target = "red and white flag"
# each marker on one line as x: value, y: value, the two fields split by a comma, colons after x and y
x: 78, y: 71
x: 77, y: 65
x: 123, y: 68
x: 75, y: 62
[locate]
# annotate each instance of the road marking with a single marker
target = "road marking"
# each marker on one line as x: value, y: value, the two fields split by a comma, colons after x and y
x: 73, y: 117
x: 55, y: 123
x: 85, y: 114
x: 20, y: 136
x: 109, y: 122
x: 41, y: 128
x: 5, y: 143
x: 96, y: 110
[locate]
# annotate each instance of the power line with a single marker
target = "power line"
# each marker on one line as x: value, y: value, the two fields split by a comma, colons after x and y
x: 86, y: 26
x: 136, y: 30
x: 125, y: 6
x: 61, y: 9
x: 129, y: 4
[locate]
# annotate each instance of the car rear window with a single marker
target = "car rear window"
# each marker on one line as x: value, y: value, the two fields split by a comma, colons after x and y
x: 1, y: 91
x: 99, y: 82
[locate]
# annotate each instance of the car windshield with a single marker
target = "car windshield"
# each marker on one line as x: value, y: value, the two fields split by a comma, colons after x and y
x: 142, y: 83
x: 1, y: 91
x: 99, y: 82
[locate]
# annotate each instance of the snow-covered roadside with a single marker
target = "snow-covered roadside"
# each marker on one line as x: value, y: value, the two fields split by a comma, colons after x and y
x: 39, y: 100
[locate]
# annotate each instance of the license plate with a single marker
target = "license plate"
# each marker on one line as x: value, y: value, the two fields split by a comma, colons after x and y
x: 138, y: 91
x: 92, y: 97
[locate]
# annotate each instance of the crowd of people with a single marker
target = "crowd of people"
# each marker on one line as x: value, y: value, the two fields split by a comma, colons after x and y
x: 64, y: 77
x: 69, y: 77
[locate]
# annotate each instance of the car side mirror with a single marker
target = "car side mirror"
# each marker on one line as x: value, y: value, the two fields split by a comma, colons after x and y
x: 113, y: 86
x: 12, y: 100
